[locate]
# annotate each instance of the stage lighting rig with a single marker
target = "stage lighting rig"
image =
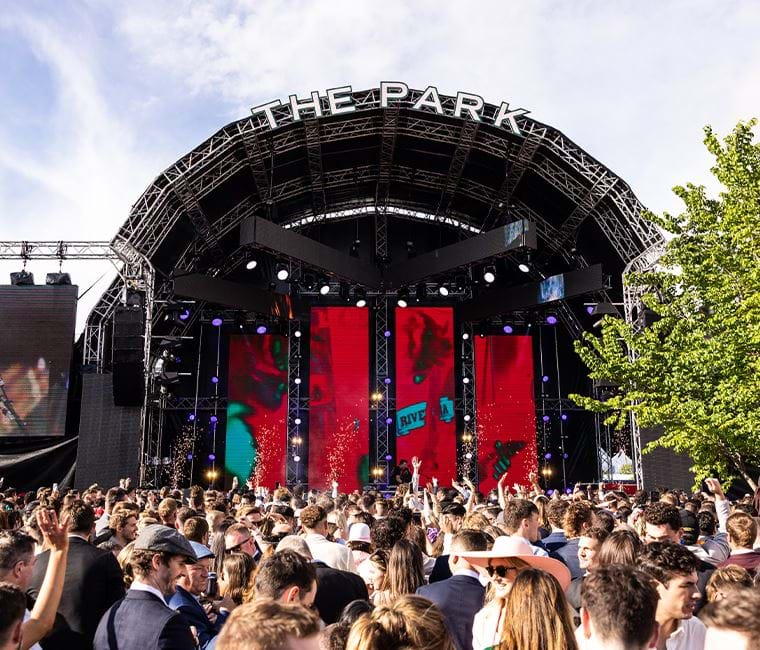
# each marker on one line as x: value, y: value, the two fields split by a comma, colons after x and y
x: 402, y: 297
x: 252, y: 264
x: 460, y: 282
x: 57, y: 279
x: 324, y: 286
x: 344, y: 291
x: 22, y: 278
x: 283, y: 272
x: 420, y: 292
x: 443, y: 289
x: 489, y: 274
x: 360, y: 295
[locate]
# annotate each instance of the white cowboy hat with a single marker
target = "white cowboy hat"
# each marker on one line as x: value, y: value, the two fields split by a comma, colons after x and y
x: 505, y: 547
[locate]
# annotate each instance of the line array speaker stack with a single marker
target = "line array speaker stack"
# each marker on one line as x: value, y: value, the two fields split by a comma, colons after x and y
x: 128, y: 356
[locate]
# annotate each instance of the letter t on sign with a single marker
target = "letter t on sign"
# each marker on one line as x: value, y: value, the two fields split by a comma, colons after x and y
x: 267, y: 110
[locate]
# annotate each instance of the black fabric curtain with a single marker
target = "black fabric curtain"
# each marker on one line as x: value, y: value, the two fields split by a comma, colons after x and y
x: 27, y: 466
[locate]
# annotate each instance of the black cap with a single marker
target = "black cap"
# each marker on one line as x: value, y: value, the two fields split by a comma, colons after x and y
x: 162, y: 539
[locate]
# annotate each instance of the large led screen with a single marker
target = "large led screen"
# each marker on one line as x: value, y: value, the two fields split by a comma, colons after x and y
x: 506, y: 417
x: 425, y: 423
x: 339, y: 397
x: 36, y: 343
x: 257, y: 409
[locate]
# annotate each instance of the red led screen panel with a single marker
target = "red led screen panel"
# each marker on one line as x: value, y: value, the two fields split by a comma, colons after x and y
x: 339, y: 397
x: 425, y: 423
x: 506, y: 420
x: 257, y: 409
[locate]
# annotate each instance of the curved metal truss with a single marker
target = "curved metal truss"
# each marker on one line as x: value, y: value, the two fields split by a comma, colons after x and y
x: 377, y: 180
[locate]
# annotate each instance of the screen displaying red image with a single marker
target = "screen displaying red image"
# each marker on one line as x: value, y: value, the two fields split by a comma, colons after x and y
x: 257, y: 409
x: 506, y: 417
x: 425, y: 422
x: 339, y: 397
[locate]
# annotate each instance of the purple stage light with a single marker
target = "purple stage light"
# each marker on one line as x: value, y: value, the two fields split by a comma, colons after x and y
x: 189, y: 457
x: 545, y: 378
x: 546, y: 418
x: 387, y: 334
x: 389, y: 458
x: 215, y: 380
x: 191, y: 417
x: 185, y: 315
x: 212, y: 457
x: 548, y: 456
x: 568, y: 491
x: 261, y: 329
x: 387, y: 380
x: 177, y: 359
x: 508, y: 329
x: 217, y: 322
x: 589, y: 309
x: 549, y: 492
x: 388, y: 420
x: 213, y: 419
x: 565, y: 456
x: 564, y: 416
x: 551, y: 320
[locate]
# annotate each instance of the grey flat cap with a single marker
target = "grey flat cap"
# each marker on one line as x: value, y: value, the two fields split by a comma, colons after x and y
x: 162, y: 539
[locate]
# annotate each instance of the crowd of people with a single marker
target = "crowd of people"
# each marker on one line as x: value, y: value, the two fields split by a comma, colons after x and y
x: 436, y: 568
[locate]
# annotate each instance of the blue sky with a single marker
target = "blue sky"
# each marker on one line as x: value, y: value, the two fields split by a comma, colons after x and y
x: 98, y: 97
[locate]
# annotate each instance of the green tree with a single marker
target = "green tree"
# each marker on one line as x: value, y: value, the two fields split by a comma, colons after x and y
x: 696, y: 371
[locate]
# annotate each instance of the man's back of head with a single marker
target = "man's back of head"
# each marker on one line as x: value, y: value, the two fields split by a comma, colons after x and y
x: 269, y: 625
x: 619, y: 605
x: 467, y: 539
x: 286, y: 576
x: 733, y: 622
x: 82, y: 517
x: 12, y: 607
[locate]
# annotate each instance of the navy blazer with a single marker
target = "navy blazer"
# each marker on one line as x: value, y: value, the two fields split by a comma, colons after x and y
x: 335, y: 590
x: 569, y: 555
x: 194, y: 614
x: 140, y: 621
x: 441, y: 570
x: 459, y: 598
x: 554, y: 541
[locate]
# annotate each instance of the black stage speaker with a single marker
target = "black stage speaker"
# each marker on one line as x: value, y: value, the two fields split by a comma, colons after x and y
x: 664, y: 468
x: 128, y: 356
x: 109, y: 436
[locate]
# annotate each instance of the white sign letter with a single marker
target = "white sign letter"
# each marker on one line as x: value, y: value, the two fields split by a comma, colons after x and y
x: 430, y: 99
x: 337, y: 100
x: 392, y: 90
x: 473, y: 106
x: 297, y: 107
x: 505, y: 114
x: 267, y: 110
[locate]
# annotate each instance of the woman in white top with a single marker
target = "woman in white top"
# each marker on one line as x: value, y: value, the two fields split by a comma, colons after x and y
x: 502, y: 563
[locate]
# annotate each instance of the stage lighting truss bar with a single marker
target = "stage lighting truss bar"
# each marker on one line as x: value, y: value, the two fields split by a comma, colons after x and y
x: 382, y: 408
x: 387, y: 148
x: 470, y: 429
x: 191, y: 404
x: 314, y: 157
x: 467, y: 136
x: 198, y: 218
x: 255, y: 157
x: 58, y: 250
x: 293, y: 474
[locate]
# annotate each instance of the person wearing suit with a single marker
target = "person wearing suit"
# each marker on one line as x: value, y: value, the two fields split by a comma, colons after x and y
x: 335, y: 588
x: 142, y: 619
x: 459, y: 597
x: 93, y: 582
x: 186, y: 601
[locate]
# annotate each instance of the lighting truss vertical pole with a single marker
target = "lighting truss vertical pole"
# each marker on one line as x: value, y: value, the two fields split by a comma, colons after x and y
x: 469, y: 414
x: 382, y: 406
x: 294, y: 442
x: 631, y: 299
x: 561, y: 414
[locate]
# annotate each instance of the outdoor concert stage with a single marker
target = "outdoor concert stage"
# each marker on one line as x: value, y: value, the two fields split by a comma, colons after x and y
x: 338, y: 282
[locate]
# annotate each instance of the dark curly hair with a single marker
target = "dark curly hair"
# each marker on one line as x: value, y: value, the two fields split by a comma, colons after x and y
x: 386, y: 532
x: 661, y: 514
x: 664, y: 560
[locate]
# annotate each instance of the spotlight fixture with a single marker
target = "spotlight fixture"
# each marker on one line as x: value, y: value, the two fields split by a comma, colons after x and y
x: 252, y: 264
x: 22, y: 278
x: 420, y: 292
x: 443, y: 289
x: 261, y: 328
x: 465, y: 380
x: 297, y: 334
x: 297, y: 381
x: 283, y: 273
x: 508, y: 329
x: 217, y: 321
x: 467, y: 417
x: 309, y: 281
x: 523, y: 267
x: 551, y: 319
x: 489, y: 274
x: 354, y: 252
x: 360, y: 294
x: 402, y: 297
x: 324, y: 286
x: 460, y: 282
x: 465, y: 336
x: 58, y: 279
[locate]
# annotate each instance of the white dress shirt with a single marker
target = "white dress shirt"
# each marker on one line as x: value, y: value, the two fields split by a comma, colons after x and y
x: 332, y: 554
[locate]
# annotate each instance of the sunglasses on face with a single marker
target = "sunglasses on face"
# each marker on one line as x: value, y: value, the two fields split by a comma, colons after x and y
x: 502, y: 571
x: 237, y: 547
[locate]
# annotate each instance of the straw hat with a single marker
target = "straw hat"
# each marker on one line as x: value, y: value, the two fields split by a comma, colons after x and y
x: 506, y: 547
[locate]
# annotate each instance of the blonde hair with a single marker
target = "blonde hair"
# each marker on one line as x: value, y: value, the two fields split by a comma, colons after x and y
x: 725, y: 580
x: 409, y: 622
x: 536, y: 615
x: 266, y: 625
